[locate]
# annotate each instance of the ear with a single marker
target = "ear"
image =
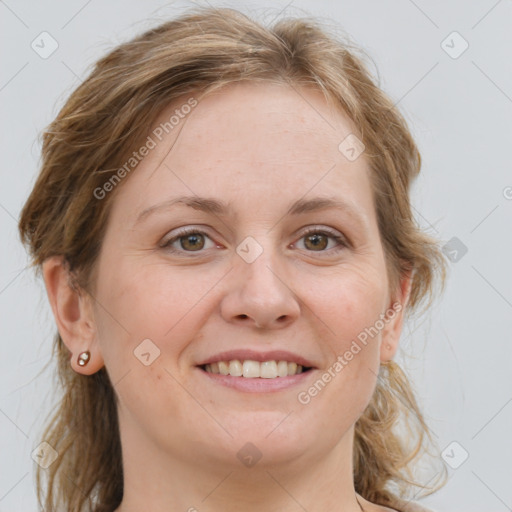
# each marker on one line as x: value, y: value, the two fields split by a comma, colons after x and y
x: 394, y: 317
x: 73, y: 312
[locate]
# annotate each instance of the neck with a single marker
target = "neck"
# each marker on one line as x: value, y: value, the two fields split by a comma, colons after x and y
x: 155, y: 481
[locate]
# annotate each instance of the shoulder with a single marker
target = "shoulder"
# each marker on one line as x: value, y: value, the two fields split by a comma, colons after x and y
x: 409, y: 506
x: 399, y: 505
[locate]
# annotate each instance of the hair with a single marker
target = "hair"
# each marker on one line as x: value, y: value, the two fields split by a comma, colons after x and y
x: 101, y: 123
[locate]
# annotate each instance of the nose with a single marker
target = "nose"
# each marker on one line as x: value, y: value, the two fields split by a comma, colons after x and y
x: 260, y: 294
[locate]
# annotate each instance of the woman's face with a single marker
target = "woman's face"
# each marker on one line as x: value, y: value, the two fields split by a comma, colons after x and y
x: 248, y: 283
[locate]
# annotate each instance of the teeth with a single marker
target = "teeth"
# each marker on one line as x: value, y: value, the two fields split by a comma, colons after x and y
x: 235, y: 368
x: 282, y: 369
x: 254, y: 369
x: 268, y: 370
x: 251, y: 369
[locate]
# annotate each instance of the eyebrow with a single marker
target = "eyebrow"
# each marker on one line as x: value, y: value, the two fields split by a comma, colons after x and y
x: 216, y: 207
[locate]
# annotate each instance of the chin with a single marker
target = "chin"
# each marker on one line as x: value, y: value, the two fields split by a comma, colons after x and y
x: 273, y: 437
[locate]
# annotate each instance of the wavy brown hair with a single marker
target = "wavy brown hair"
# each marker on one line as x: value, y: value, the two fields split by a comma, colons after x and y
x: 103, y: 121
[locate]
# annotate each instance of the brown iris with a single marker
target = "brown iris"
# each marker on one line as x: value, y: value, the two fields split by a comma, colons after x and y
x: 193, y: 241
x: 317, y: 241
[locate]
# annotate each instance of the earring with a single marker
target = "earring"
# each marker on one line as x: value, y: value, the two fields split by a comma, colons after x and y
x: 83, y: 358
x: 388, y: 346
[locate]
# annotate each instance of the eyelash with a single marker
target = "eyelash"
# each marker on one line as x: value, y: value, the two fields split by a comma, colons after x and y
x: 341, y: 240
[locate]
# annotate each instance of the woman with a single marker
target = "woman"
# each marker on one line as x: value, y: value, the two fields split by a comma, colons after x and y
x: 223, y: 225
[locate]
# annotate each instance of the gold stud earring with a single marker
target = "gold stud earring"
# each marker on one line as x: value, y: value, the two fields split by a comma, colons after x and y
x: 83, y: 358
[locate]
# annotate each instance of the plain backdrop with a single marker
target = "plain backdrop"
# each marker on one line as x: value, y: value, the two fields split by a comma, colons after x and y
x: 447, y: 65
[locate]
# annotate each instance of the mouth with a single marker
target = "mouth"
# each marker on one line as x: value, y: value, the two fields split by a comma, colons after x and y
x: 257, y: 372
x: 251, y: 369
x: 250, y: 376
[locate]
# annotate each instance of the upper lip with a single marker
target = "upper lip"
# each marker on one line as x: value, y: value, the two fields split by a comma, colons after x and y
x: 253, y: 355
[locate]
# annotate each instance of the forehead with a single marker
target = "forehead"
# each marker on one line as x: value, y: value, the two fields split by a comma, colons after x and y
x: 270, y: 118
x: 247, y: 139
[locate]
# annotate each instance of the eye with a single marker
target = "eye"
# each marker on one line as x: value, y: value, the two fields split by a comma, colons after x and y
x: 190, y: 240
x: 194, y: 240
x: 318, y: 239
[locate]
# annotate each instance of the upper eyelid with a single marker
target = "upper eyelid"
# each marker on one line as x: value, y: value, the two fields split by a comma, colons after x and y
x: 302, y: 232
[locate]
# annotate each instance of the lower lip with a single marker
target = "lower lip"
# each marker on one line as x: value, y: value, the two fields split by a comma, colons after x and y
x: 257, y: 385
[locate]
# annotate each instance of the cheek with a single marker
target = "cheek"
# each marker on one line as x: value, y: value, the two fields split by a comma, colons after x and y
x: 349, y: 311
x: 138, y: 301
x: 349, y: 305
x: 144, y: 299
x: 145, y: 324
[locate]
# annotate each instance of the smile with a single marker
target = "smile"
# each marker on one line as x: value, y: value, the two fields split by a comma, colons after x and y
x: 254, y: 369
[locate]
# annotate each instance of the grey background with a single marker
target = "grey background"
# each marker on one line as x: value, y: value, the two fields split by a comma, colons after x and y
x: 459, y: 110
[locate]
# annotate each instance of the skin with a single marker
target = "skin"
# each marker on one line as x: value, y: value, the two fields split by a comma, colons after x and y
x: 259, y: 147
